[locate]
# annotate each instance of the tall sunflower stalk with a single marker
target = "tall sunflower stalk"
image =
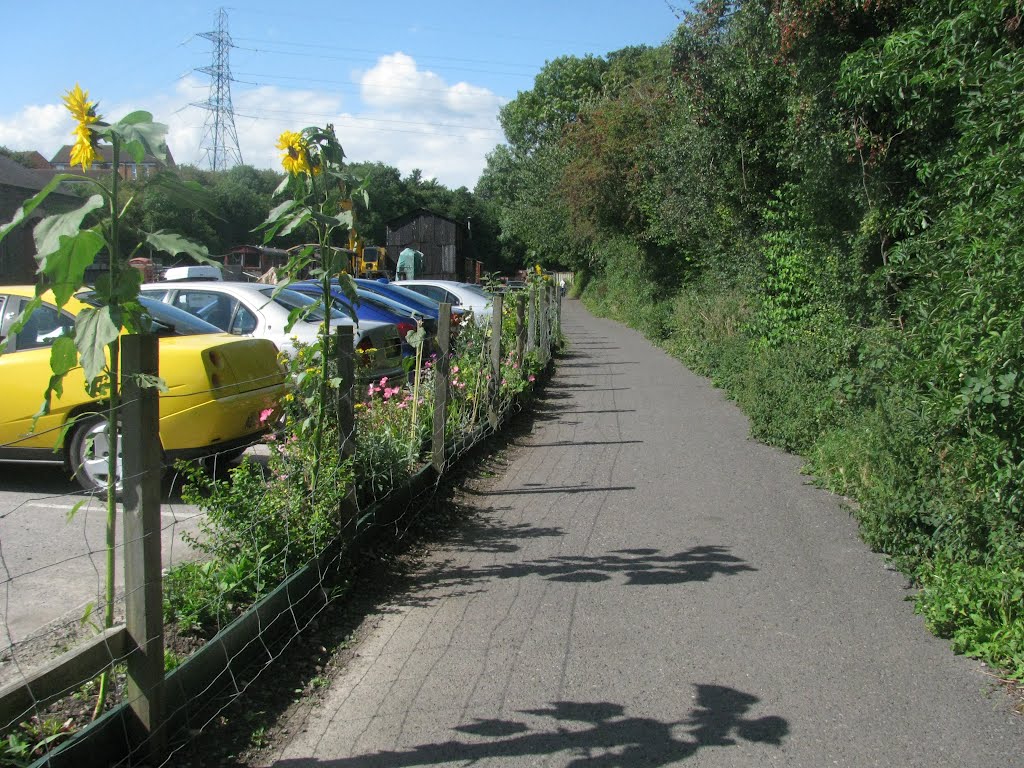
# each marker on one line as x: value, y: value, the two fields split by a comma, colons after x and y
x: 320, y: 195
x: 67, y: 244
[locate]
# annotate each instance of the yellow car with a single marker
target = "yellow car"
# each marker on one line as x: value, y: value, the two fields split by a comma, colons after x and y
x: 222, y: 389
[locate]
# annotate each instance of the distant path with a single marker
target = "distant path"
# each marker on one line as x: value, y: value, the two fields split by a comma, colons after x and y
x: 645, y: 586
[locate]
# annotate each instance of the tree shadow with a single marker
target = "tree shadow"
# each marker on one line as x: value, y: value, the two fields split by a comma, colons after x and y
x: 599, y: 363
x: 636, y: 567
x: 496, y: 536
x: 552, y: 489
x: 590, y: 734
x: 571, y: 443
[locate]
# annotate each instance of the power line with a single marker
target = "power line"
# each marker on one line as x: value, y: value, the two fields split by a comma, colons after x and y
x: 326, y: 57
x: 352, y: 85
x: 340, y: 120
x: 335, y: 116
x: 220, y: 140
x: 379, y: 52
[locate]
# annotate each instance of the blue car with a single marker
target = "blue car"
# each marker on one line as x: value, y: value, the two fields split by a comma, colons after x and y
x: 370, y: 306
x: 417, y: 301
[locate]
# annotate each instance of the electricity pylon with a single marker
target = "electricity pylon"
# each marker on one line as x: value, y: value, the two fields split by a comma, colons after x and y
x: 220, y: 141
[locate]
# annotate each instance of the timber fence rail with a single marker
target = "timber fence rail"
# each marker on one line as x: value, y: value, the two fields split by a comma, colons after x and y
x: 476, y: 378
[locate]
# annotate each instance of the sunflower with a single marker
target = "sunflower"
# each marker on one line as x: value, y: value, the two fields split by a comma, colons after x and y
x: 296, y: 153
x: 84, y: 111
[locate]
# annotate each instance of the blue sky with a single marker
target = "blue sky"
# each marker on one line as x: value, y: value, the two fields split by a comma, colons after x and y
x: 413, y: 85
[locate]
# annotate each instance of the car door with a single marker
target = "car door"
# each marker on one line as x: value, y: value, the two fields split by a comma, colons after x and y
x: 24, y: 374
x: 214, y: 307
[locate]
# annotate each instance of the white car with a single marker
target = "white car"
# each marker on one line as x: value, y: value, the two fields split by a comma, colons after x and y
x: 252, y: 309
x: 470, y: 297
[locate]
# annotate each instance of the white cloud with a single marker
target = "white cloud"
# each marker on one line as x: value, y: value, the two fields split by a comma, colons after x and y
x: 396, y: 83
x: 45, y: 128
x: 408, y: 118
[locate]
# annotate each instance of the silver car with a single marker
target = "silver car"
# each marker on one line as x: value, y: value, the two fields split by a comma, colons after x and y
x: 471, y: 297
x: 252, y: 309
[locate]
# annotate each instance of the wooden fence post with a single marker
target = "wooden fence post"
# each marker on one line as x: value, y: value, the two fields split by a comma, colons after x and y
x: 542, y: 315
x: 494, y: 390
x: 346, y: 405
x: 558, y: 316
x: 141, y: 471
x: 444, y: 326
x: 520, y: 328
x: 531, y: 328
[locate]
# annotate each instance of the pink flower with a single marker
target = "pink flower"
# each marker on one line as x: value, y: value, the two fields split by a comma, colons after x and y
x: 455, y: 369
x: 504, y: 383
x: 515, y: 366
x: 531, y: 378
x: 404, y: 404
x: 370, y: 390
x: 383, y: 381
x: 265, y: 414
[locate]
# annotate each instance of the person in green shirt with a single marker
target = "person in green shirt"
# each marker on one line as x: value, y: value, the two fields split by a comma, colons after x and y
x: 410, y: 264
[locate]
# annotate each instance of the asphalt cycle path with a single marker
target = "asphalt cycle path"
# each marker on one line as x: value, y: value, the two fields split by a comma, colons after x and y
x: 646, y: 586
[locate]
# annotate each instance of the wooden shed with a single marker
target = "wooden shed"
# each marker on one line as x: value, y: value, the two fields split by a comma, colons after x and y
x: 442, y: 241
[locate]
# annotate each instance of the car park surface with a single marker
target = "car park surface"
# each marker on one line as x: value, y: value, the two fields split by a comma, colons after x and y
x: 217, y: 388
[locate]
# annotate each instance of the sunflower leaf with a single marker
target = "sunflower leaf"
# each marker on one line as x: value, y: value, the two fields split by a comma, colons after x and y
x: 94, y: 330
x: 185, y: 194
x: 169, y: 242
x: 32, y: 203
x: 65, y: 265
x: 139, y: 138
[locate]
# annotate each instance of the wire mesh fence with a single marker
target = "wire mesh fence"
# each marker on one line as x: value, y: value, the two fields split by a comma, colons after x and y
x: 225, y: 564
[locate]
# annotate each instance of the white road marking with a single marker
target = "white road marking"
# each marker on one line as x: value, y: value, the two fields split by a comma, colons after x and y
x: 69, y: 507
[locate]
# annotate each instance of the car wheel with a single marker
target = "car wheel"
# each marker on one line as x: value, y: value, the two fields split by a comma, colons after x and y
x: 89, y: 451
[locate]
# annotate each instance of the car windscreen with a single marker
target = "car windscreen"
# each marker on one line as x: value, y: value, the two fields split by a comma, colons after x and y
x: 167, y: 320
x: 473, y: 288
x: 377, y: 300
x: 294, y: 300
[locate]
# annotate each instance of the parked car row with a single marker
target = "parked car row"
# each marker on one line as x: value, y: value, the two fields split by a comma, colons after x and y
x: 219, y: 389
x: 218, y: 346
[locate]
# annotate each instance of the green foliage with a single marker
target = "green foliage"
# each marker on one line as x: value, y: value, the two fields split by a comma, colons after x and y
x: 980, y: 606
x: 261, y: 524
x: 561, y: 90
x: 32, y: 739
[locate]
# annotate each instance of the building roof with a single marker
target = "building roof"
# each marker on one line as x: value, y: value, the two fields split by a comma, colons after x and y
x: 399, y: 221
x: 34, y: 160
x: 14, y: 174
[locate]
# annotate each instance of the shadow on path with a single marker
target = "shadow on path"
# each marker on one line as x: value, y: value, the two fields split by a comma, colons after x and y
x: 553, y: 489
x: 595, y: 735
x: 639, y: 567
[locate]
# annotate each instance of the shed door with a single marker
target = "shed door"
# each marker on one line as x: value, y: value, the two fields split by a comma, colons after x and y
x: 448, y: 259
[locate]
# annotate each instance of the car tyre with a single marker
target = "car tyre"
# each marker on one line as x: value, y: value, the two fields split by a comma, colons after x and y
x: 88, y: 452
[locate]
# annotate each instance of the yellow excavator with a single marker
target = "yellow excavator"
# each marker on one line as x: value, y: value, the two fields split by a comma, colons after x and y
x: 364, y: 260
